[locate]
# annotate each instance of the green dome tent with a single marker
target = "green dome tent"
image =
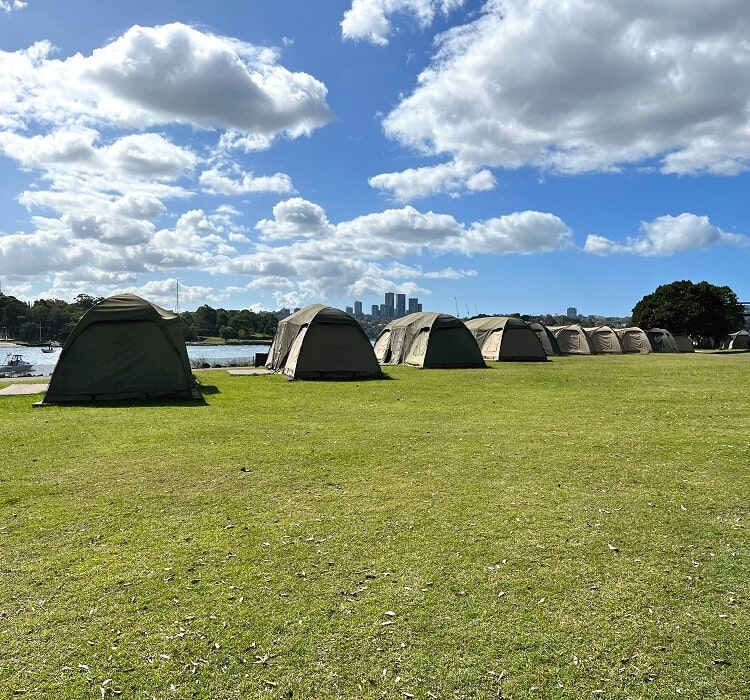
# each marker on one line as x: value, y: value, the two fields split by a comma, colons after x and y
x: 124, y: 347
x: 546, y: 338
x: 506, y: 339
x: 661, y: 340
x: 320, y: 342
x: 428, y: 339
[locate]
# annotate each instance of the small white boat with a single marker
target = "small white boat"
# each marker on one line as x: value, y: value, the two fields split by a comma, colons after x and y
x: 49, y: 348
x: 15, y: 364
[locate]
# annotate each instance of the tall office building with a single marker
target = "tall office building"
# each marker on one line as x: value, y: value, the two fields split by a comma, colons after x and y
x: 357, y: 308
x: 389, y: 304
x: 400, y: 305
x: 413, y: 305
x: 572, y: 312
x: 375, y: 310
x: 349, y: 310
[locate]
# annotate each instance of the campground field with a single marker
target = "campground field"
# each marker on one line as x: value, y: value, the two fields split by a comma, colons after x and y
x: 569, y: 529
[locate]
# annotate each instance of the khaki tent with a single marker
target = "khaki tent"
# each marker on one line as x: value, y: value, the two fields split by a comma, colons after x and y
x: 428, y: 339
x: 320, y: 342
x: 546, y: 338
x: 661, y: 340
x: 633, y: 339
x: 737, y: 341
x: 124, y: 347
x: 573, y: 340
x: 683, y: 343
x: 506, y: 339
x: 604, y: 340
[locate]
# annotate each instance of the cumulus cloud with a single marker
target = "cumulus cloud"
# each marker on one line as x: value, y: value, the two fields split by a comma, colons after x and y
x: 368, y: 20
x: 294, y: 218
x: 667, y: 235
x: 305, y: 255
x: 447, y: 178
x: 163, y: 75
x: 108, y: 178
x: 571, y: 86
x: 9, y: 5
x: 520, y: 232
x: 214, y: 181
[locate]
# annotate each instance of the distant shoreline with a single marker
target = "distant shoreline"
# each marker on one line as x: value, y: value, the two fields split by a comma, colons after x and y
x: 237, y: 343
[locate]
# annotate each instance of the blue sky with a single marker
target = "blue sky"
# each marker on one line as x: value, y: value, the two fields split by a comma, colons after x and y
x: 501, y: 156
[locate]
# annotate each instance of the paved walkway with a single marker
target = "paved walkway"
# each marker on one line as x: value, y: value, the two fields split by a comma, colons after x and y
x: 19, y: 389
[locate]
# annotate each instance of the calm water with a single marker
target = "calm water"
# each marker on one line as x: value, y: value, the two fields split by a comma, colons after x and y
x: 44, y: 363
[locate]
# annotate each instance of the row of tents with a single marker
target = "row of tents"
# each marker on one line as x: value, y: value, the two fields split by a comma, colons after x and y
x: 128, y: 348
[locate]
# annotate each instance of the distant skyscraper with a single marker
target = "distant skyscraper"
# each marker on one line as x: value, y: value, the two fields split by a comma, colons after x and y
x: 349, y: 310
x: 375, y: 311
x: 419, y: 307
x: 572, y: 312
x: 357, y: 308
x: 413, y: 305
x: 389, y: 304
x: 400, y: 305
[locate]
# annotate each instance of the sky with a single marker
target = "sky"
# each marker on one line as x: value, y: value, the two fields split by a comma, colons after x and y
x: 505, y: 156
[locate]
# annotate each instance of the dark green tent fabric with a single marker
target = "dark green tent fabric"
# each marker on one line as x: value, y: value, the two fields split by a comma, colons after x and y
x: 546, y: 338
x: 683, y: 342
x: 320, y: 342
x: 661, y: 340
x: 123, y: 348
x: 737, y: 341
x: 428, y: 339
x: 506, y: 339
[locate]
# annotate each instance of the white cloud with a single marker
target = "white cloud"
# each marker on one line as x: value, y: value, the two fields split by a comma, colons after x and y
x: 520, y: 232
x: 294, y: 218
x: 447, y: 178
x: 319, y: 259
x: 667, y: 235
x: 573, y: 86
x: 9, y: 5
x: 215, y: 182
x: 368, y: 20
x: 163, y: 75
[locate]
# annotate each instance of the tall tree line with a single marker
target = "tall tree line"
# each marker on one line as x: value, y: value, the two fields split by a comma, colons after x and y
x: 48, y: 320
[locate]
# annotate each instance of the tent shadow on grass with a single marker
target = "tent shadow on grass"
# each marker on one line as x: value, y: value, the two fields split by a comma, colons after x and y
x: 207, y: 389
x: 131, y: 403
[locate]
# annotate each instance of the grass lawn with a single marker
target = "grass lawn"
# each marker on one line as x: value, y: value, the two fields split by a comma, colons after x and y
x: 570, y: 529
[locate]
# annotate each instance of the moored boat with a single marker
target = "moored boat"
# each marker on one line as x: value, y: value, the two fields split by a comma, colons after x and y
x: 15, y: 364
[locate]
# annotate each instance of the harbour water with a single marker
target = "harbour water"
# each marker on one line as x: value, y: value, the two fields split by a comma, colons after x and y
x: 225, y: 355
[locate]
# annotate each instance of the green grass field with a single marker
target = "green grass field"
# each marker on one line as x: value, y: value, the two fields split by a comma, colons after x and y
x: 570, y: 529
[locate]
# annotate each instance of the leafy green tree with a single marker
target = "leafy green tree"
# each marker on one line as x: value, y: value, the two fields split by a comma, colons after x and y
x: 703, y: 311
x: 29, y: 332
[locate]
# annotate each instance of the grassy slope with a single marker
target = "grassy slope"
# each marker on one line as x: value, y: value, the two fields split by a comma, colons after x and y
x: 569, y: 527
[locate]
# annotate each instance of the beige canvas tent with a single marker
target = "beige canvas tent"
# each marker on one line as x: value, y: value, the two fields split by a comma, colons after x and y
x: 546, y: 338
x: 428, y: 339
x: 320, y: 342
x: 506, y: 339
x: 604, y: 340
x: 661, y: 340
x: 572, y: 340
x: 124, y: 347
x: 633, y: 339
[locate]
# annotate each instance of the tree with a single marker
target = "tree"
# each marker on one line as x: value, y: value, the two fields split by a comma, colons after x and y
x: 703, y: 311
